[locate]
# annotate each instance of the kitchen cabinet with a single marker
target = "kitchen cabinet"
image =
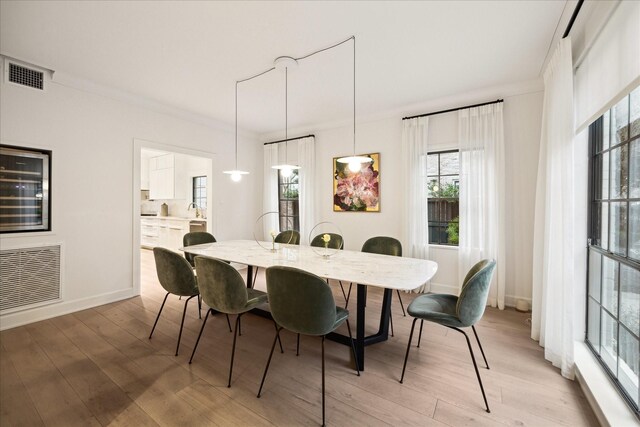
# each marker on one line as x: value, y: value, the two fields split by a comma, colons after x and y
x: 167, y: 176
x: 166, y: 232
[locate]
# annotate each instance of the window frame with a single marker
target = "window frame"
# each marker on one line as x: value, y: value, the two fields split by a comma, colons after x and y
x: 195, y: 185
x: 428, y: 178
x: 594, y: 244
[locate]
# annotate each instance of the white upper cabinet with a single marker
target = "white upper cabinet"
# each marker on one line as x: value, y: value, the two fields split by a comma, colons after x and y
x: 166, y: 176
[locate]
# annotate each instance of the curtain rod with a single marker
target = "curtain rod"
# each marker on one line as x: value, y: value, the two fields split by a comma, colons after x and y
x: 453, y: 109
x: 290, y: 139
x: 573, y: 19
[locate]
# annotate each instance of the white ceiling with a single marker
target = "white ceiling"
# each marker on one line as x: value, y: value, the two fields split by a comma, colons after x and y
x: 189, y: 54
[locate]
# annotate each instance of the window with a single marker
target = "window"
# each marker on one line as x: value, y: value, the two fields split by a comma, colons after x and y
x: 613, y: 280
x: 200, y: 192
x: 288, y: 201
x: 443, y: 175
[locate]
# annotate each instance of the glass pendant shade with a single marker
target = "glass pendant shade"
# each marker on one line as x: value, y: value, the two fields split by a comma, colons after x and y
x: 236, y: 175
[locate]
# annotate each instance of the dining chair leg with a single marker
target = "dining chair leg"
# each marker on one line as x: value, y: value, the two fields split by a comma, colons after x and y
x: 255, y: 276
x: 353, y: 348
x: 279, y: 339
x: 406, y: 356
x: 229, y: 323
x: 158, y: 316
x: 233, y: 348
x: 199, y: 306
x: 475, y: 365
x: 344, y: 294
x: 480, y: 345
x: 323, y: 423
x: 348, y: 295
x: 404, y: 313
x: 239, y: 327
x: 199, y: 335
x: 298, y: 345
x: 420, y: 335
x: 391, y: 321
x: 184, y: 312
x: 266, y: 368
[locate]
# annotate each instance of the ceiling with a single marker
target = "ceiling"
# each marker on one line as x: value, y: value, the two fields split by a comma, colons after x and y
x: 188, y: 55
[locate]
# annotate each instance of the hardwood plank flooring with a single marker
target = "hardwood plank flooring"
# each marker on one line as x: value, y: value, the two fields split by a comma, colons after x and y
x: 98, y: 367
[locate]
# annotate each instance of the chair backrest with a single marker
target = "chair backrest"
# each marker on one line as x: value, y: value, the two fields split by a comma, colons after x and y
x: 383, y: 245
x: 336, y: 241
x: 475, y: 290
x: 196, y: 238
x: 221, y: 286
x: 291, y: 237
x: 300, y: 301
x: 174, y: 272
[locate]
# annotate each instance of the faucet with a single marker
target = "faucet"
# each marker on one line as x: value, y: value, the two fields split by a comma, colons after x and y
x: 195, y: 206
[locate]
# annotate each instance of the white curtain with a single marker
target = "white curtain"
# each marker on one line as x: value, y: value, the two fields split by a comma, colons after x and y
x: 306, y: 185
x: 414, y: 155
x: 270, y: 191
x: 554, y: 246
x: 482, y: 217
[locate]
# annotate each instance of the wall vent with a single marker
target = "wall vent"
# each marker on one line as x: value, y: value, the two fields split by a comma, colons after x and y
x: 29, y: 276
x: 25, y: 76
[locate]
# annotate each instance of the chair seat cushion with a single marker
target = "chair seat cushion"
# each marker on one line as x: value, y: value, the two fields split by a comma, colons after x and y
x: 438, y: 308
x: 255, y: 298
x: 341, y: 316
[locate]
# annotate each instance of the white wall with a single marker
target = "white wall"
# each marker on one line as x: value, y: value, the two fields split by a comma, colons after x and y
x: 91, y: 137
x: 522, y: 118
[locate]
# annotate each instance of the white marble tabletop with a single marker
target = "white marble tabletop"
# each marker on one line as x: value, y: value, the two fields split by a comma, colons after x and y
x: 349, y: 266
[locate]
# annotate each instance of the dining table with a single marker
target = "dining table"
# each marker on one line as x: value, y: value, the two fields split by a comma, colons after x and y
x: 364, y: 269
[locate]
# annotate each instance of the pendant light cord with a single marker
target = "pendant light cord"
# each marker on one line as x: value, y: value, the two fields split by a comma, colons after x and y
x: 354, y: 95
x: 236, y: 126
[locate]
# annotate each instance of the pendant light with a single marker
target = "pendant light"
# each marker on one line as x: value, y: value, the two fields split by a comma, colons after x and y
x: 236, y: 174
x: 284, y: 63
x: 355, y: 162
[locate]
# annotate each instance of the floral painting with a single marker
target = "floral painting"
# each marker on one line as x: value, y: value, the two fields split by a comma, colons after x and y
x: 357, y: 191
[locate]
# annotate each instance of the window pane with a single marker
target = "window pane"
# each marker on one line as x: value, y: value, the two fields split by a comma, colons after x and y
x: 605, y: 130
x: 630, y: 298
x: 634, y: 173
x: 628, y: 363
x: 619, y: 176
x: 432, y: 164
x: 634, y: 120
x: 593, y: 332
x: 604, y: 226
x: 634, y: 230
x: 610, y: 285
x: 595, y: 273
x: 618, y: 228
x: 605, y: 175
x: 433, y: 188
x: 608, y: 340
x: 449, y: 186
x: 449, y: 163
x: 619, y: 121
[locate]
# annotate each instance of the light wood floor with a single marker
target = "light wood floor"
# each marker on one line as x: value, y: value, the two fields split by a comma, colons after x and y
x: 98, y: 367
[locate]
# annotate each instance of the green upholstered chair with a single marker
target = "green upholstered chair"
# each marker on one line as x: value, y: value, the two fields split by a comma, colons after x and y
x: 303, y: 303
x: 456, y: 312
x: 335, y: 242
x: 288, y: 237
x: 224, y: 291
x: 385, y: 246
x: 176, y: 277
x: 196, y: 238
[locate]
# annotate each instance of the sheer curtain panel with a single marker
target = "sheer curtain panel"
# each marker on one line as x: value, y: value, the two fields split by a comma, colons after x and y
x: 482, y: 218
x: 554, y: 241
x: 307, y: 174
x: 270, y: 190
x: 414, y: 155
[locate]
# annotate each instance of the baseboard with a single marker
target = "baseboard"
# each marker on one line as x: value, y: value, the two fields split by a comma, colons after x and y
x: 25, y: 317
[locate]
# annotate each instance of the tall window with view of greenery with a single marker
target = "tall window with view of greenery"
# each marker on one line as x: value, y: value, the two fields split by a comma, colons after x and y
x: 288, y: 205
x: 613, y: 280
x: 443, y: 179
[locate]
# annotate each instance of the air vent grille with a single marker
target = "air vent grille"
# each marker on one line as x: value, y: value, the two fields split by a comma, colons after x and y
x: 26, y: 76
x: 29, y: 276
